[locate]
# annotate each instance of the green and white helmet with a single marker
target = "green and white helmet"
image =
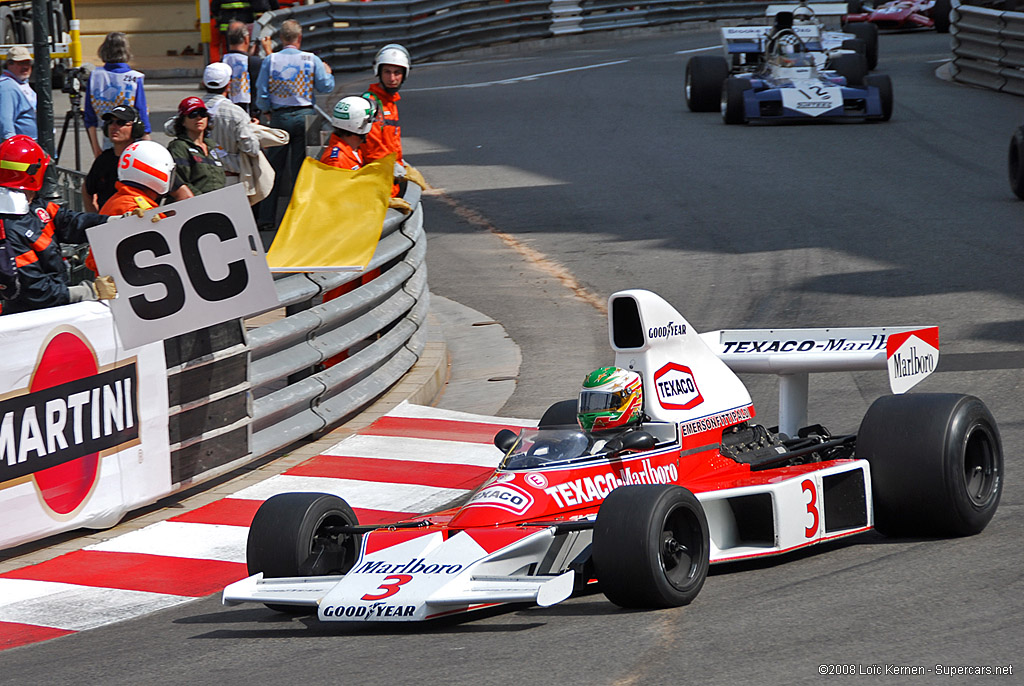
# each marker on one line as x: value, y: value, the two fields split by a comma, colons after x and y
x: 611, y: 398
x: 354, y: 114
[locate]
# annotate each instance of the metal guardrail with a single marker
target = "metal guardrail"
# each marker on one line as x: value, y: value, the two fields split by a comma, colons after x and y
x: 347, y: 35
x: 370, y: 335
x: 988, y: 48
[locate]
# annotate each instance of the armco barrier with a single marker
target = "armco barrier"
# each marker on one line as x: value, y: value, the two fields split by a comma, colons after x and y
x: 348, y: 34
x: 988, y: 48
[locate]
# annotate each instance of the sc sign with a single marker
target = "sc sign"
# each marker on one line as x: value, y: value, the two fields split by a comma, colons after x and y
x: 201, y: 265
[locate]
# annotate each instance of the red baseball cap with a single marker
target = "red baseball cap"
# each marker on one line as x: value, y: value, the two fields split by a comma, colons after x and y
x: 190, y: 105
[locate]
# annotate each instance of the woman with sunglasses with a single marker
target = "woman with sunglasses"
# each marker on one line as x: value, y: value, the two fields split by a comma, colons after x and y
x: 194, y: 158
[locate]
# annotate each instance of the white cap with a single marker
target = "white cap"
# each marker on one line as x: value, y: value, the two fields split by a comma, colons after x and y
x: 216, y: 75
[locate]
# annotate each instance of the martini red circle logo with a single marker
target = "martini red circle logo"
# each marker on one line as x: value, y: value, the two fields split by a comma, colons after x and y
x: 55, y: 432
x: 65, y: 487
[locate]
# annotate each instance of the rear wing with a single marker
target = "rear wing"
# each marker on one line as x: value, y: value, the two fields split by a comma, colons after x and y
x: 909, y: 353
x: 753, y: 39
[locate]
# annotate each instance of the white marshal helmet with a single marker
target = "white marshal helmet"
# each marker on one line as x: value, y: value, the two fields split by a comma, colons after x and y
x: 147, y: 164
x: 354, y: 114
x: 392, y: 53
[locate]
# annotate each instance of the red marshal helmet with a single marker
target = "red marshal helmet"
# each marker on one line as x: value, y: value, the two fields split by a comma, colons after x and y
x: 22, y: 163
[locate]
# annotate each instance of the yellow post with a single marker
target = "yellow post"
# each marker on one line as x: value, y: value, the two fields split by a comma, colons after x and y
x: 76, y: 44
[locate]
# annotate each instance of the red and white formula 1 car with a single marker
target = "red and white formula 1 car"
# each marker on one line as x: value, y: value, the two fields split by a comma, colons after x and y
x: 903, y: 14
x: 644, y: 513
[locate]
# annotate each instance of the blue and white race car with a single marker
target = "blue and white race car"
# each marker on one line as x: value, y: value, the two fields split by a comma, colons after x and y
x: 789, y: 85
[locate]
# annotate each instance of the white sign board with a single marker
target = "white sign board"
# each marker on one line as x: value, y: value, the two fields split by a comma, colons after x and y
x: 200, y: 265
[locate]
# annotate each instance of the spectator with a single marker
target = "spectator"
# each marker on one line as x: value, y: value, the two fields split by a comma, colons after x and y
x: 230, y: 127
x: 123, y: 127
x: 17, y: 99
x: 201, y: 171
x: 113, y: 84
x: 286, y: 88
x: 245, y: 67
x: 31, y: 227
x: 352, y: 118
x: 391, y: 65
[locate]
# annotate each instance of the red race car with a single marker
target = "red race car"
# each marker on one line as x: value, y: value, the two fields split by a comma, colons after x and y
x: 657, y: 470
x: 903, y: 14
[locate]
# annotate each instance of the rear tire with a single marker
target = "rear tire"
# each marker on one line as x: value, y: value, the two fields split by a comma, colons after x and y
x: 853, y: 67
x: 936, y: 464
x: 560, y: 415
x: 291, y: 536
x: 869, y: 34
x: 1016, y: 163
x: 733, y: 107
x: 651, y: 546
x: 704, y: 77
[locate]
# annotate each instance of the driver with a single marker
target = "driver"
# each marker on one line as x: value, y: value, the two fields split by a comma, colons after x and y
x: 611, y: 403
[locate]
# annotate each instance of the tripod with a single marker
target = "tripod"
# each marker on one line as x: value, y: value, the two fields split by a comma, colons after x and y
x: 74, y: 114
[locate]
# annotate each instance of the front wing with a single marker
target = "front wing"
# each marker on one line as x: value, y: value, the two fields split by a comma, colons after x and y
x: 777, y: 104
x: 419, y: 575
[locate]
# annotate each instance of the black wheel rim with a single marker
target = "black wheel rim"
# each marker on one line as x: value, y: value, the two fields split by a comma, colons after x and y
x: 981, y: 470
x: 681, y: 548
x: 329, y: 552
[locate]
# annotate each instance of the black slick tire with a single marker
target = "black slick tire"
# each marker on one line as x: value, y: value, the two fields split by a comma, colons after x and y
x: 292, y: 535
x: 704, y: 77
x: 560, y: 415
x: 1016, y: 163
x: 853, y: 67
x: 733, y: 109
x: 651, y: 546
x: 936, y: 464
x: 869, y: 34
x: 884, y: 85
x: 940, y: 15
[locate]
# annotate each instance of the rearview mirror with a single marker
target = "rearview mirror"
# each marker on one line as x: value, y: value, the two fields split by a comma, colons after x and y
x: 505, y: 439
x: 634, y: 440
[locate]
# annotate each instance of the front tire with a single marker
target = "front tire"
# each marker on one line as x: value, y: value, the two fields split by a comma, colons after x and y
x: 293, y: 534
x: 1016, y: 163
x: 733, y: 107
x: 704, y: 77
x: 884, y: 85
x: 936, y: 464
x: 651, y: 546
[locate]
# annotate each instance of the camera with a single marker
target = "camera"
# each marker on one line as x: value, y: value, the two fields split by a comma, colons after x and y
x: 74, y: 81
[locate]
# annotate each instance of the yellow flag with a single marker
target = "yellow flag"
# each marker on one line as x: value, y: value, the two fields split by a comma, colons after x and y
x: 334, y: 219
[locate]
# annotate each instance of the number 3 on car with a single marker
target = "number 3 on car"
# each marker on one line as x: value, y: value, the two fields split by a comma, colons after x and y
x: 812, y: 508
x: 389, y: 589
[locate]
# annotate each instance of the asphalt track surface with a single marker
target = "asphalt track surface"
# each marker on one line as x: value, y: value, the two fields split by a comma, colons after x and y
x: 609, y: 180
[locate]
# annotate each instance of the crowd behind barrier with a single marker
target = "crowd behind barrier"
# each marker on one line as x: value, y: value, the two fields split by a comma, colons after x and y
x: 988, y: 48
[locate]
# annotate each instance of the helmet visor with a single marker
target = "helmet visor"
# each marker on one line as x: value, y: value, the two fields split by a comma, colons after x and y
x: 599, y: 401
